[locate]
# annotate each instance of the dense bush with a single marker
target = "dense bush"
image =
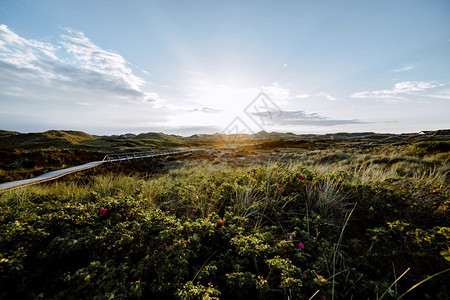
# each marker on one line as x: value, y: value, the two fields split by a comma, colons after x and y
x: 263, y: 232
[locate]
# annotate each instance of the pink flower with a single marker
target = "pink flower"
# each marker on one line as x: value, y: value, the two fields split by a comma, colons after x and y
x: 103, y: 211
x: 209, y: 204
x: 300, y: 245
x: 302, y: 177
x: 16, y: 222
x: 208, y: 192
x: 280, y: 188
x: 290, y: 237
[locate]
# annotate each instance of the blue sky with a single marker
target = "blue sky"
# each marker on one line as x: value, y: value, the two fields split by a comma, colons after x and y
x: 185, y: 67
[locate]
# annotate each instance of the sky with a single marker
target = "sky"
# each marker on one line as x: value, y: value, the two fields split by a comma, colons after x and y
x: 190, y: 67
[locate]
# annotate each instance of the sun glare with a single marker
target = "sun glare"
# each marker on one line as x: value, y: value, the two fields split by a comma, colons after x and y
x: 218, y: 103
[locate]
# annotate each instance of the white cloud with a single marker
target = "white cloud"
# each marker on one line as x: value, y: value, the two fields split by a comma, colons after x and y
x: 17, y: 51
x: 277, y: 92
x: 303, y: 96
x: 91, y: 57
x: 326, y: 95
x: 407, y: 68
x: 441, y: 95
x: 87, y: 68
x: 319, y: 94
x: 39, y: 78
x: 412, y: 86
x: 399, y: 92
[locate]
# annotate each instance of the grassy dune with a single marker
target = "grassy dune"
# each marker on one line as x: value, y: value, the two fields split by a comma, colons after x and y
x: 336, y: 217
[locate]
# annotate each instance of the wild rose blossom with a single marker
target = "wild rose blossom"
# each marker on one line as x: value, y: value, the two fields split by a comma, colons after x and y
x: 302, y: 177
x: 103, y: 211
x: 300, y: 245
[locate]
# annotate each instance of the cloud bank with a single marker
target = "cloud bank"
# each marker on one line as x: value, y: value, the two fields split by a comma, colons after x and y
x: 300, y: 117
x: 406, y: 91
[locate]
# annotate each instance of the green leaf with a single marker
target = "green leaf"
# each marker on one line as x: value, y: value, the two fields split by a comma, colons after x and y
x: 445, y: 254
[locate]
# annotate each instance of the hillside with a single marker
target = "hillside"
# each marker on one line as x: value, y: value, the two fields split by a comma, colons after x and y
x: 61, y: 139
x: 268, y: 216
x: 23, y: 156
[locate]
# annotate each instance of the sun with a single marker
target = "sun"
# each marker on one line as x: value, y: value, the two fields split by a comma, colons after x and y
x: 217, y: 104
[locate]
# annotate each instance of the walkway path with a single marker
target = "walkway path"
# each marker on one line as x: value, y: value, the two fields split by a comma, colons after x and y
x: 120, y: 157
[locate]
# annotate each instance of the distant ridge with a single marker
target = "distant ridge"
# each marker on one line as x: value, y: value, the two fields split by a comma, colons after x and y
x: 68, y: 139
x: 69, y: 136
x: 51, y: 138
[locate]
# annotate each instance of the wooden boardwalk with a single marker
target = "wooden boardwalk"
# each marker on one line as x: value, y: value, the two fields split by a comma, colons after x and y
x: 117, y: 157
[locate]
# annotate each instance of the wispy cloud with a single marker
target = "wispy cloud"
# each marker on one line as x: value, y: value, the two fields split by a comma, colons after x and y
x: 16, y: 50
x: 403, y: 69
x: 283, y: 94
x: 303, y: 96
x: 301, y: 117
x: 87, y: 67
x: 325, y: 95
x: 207, y: 110
x: 60, y: 80
x: 441, y: 95
x: 277, y: 92
x: 91, y: 57
x: 401, y: 91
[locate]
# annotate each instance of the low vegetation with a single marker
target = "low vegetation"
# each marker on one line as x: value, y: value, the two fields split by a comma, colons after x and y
x: 345, y: 221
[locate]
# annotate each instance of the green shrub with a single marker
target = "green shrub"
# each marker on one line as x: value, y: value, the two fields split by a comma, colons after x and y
x: 263, y: 232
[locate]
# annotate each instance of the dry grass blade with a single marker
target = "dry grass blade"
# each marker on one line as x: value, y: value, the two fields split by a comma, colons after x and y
x: 314, y: 294
x: 336, y: 249
x: 406, y: 271
x: 423, y: 281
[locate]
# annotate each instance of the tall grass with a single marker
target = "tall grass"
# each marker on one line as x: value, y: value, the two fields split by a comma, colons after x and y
x: 337, y: 250
x: 325, y: 195
x: 111, y: 185
x: 378, y: 167
x: 197, y: 189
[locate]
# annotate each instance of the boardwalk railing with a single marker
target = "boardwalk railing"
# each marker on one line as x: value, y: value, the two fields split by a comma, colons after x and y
x: 116, y: 157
